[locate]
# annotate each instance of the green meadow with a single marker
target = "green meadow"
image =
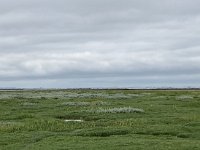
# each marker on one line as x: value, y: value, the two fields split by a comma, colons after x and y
x: 100, y: 119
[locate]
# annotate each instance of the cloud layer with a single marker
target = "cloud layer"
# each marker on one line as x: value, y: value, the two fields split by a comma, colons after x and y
x: 95, y: 43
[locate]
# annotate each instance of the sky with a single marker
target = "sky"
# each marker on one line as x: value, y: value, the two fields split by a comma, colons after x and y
x: 99, y: 43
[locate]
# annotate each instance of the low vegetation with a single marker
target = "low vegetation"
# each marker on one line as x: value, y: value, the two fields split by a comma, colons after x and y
x: 119, y: 110
x: 100, y: 119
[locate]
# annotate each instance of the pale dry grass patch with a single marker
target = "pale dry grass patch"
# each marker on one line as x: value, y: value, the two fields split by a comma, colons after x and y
x: 119, y: 110
x: 184, y: 97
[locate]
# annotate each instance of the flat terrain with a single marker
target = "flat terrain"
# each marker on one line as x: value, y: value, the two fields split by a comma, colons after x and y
x: 100, y: 119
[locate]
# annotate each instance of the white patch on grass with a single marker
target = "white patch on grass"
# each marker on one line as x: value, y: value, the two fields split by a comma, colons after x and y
x: 73, y: 120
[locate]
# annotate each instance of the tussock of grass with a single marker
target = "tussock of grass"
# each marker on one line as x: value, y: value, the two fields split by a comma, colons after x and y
x: 103, y: 95
x: 101, y: 132
x: 119, y: 110
x: 184, y: 97
x: 21, y: 116
x: 78, y: 117
x: 28, y: 104
x: 46, y: 125
x: 95, y: 103
x: 159, y: 97
x: 76, y: 103
x: 158, y: 133
x: 10, y: 126
x: 99, y: 103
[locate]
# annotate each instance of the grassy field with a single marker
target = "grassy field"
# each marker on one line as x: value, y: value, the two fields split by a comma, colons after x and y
x: 100, y: 119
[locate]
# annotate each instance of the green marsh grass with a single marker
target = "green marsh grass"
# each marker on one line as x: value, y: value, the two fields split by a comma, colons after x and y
x: 112, y: 119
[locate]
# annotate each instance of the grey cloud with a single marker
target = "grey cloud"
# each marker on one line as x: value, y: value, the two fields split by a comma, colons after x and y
x: 66, y: 39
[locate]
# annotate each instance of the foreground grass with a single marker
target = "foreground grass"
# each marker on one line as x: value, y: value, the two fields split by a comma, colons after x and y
x: 111, y: 119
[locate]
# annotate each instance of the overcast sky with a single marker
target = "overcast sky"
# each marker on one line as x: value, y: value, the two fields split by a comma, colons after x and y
x: 99, y: 43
